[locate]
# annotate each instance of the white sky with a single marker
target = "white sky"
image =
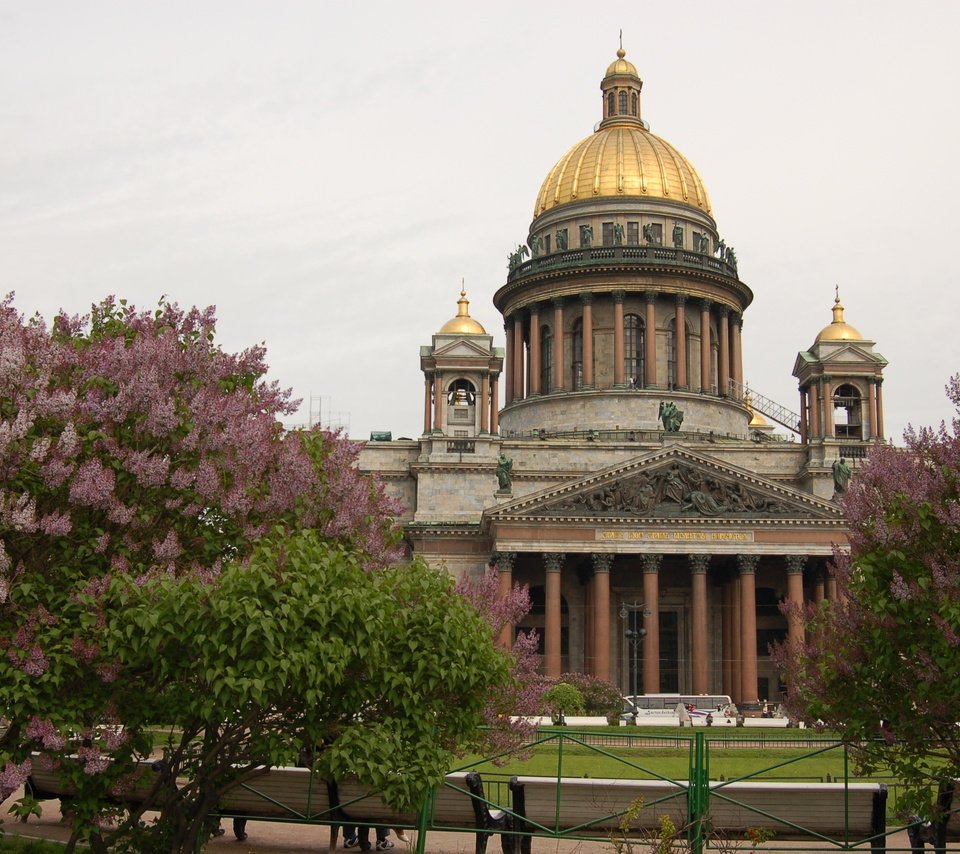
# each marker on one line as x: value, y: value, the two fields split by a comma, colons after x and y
x: 326, y: 173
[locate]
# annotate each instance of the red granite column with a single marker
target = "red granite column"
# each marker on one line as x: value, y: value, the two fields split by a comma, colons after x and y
x: 736, y: 349
x: 587, y: 300
x: 535, y: 350
x: 508, y: 363
x: 831, y: 590
x: 705, y: 346
x: 557, y: 345
x: 618, y: 372
x: 827, y: 408
x: 650, y: 340
x: 736, y: 660
x: 589, y: 650
x: 795, y: 564
x: 698, y: 616
x: 723, y: 333
x: 601, y: 613
x: 880, y: 433
x: 495, y: 406
x: 872, y: 407
x: 518, y: 388
x: 504, y: 563
x: 680, y: 340
x: 804, y: 430
x: 748, y: 627
x: 438, y: 403
x: 815, y: 432
x: 484, y: 404
x: 427, y: 389
x: 819, y: 593
x: 553, y: 564
x: 726, y: 639
x: 651, y: 622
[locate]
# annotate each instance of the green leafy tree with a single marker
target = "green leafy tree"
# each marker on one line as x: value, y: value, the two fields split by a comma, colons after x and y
x: 563, y: 698
x: 887, y: 648
x: 381, y: 676
x: 141, y: 470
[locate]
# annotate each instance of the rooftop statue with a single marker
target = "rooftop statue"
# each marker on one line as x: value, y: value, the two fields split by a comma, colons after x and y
x: 617, y: 234
x: 678, y: 236
x: 671, y: 417
x: 504, y: 473
x: 561, y: 240
x: 841, y: 476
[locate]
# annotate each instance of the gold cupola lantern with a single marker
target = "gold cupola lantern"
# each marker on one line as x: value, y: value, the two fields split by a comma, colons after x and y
x: 463, y: 323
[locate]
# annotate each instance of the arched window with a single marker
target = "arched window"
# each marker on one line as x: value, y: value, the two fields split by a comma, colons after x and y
x: 623, y: 103
x: 461, y: 400
x: 633, y: 350
x: 847, y: 412
x: 633, y: 103
x: 546, y: 358
x: 577, y: 354
x: 672, y: 352
x: 609, y: 103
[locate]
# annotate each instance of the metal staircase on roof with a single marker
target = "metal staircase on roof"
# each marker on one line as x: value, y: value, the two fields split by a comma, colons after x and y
x: 765, y: 406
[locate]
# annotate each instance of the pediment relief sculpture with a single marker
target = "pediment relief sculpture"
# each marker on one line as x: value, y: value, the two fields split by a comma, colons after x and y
x: 676, y: 490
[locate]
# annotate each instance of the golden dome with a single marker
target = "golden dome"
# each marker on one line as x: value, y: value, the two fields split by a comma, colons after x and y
x: 463, y: 323
x: 622, y: 161
x: 838, y: 329
x: 621, y: 65
x: 622, y: 158
x: 757, y: 421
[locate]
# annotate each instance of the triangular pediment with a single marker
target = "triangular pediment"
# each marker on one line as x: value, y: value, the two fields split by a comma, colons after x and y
x: 461, y: 347
x: 670, y: 484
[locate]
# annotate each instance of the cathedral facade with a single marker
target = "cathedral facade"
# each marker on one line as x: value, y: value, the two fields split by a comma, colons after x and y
x: 629, y: 477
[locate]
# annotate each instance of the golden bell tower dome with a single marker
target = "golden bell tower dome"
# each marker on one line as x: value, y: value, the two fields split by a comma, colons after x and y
x: 463, y: 323
x: 838, y: 329
x: 622, y: 158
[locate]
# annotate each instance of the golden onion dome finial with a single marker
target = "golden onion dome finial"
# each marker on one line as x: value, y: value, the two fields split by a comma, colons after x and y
x: 463, y: 323
x: 838, y: 329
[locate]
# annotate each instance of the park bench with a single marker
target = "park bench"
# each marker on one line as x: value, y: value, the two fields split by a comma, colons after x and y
x: 585, y: 807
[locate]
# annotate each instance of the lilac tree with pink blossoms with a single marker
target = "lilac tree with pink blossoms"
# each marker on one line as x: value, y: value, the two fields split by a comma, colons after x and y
x: 888, y: 647
x: 141, y: 467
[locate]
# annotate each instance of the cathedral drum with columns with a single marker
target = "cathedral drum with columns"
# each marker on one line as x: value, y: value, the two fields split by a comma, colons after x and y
x: 629, y: 477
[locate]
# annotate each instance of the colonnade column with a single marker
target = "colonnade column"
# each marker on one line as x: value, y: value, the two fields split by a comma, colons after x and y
x: 601, y: 613
x: 680, y: 340
x: 723, y: 369
x: 872, y: 407
x: 736, y: 649
x: 736, y: 349
x: 518, y: 388
x: 828, y: 407
x: 804, y: 430
x: 557, y: 345
x: 705, y: 346
x: 618, y: 372
x: 879, y: 408
x: 748, y: 627
x: 795, y: 564
x: 535, y: 350
x: 437, y: 403
x: 589, y: 639
x: 650, y: 340
x: 485, y: 404
x: 508, y: 362
x: 726, y: 640
x: 553, y: 564
x: 504, y: 563
x: 587, y: 300
x: 495, y: 405
x: 698, y: 574
x: 427, y: 409
x: 651, y: 622
x: 819, y: 589
x: 815, y: 411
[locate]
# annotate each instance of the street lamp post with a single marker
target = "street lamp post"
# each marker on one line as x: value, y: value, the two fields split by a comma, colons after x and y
x: 634, y: 638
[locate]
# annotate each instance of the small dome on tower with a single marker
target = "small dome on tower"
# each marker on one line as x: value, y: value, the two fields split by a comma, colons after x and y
x: 463, y: 323
x: 621, y: 65
x: 838, y: 329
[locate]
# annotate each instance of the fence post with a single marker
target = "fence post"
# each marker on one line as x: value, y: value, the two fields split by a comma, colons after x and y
x: 698, y: 794
x: 423, y: 819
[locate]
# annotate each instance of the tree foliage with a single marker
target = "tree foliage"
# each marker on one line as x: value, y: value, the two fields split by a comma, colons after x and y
x: 888, y: 648
x: 169, y: 553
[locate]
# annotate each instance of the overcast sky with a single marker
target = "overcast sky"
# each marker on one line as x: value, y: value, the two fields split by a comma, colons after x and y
x: 326, y: 174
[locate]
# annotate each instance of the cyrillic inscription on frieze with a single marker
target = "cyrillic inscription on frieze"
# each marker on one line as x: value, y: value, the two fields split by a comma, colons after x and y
x: 676, y: 536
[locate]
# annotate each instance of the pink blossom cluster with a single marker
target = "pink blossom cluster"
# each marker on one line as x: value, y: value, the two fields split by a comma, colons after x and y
x: 44, y: 731
x: 94, y: 761
x: 12, y: 777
